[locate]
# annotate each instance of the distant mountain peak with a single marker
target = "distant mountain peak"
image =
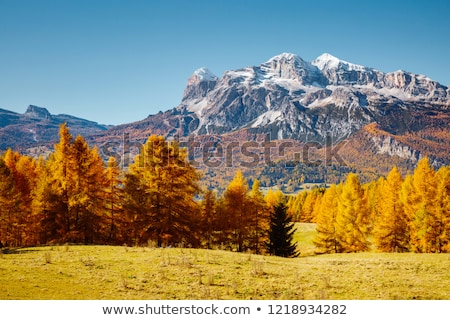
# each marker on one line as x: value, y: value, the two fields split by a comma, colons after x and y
x: 327, y: 61
x: 203, y: 74
x: 37, y: 112
x: 285, y: 56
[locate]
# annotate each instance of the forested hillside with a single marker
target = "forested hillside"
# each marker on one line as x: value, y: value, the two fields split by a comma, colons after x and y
x: 75, y: 197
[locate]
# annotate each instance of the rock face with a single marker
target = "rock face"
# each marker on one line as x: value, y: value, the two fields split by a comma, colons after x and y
x: 288, y: 97
x: 35, y: 112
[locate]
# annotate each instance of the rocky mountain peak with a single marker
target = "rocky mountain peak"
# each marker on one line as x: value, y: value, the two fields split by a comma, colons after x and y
x: 199, y: 84
x: 202, y: 74
x: 291, y: 67
x: 293, y: 98
x: 37, y: 112
x: 327, y: 61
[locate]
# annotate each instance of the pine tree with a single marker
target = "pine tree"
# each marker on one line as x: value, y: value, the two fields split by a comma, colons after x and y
x: 391, y: 231
x: 281, y: 233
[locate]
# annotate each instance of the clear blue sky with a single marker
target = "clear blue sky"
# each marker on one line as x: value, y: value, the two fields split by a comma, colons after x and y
x: 117, y: 61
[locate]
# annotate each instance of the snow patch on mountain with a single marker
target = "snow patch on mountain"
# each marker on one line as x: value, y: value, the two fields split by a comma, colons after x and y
x: 328, y: 61
x: 204, y: 74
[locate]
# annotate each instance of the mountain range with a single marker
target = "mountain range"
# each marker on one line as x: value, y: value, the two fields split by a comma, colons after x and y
x: 373, y: 118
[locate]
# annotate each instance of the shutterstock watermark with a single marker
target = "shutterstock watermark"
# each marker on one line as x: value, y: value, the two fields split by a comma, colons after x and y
x: 217, y: 151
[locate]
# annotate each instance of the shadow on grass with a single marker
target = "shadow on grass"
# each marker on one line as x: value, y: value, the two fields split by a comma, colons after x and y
x: 17, y: 250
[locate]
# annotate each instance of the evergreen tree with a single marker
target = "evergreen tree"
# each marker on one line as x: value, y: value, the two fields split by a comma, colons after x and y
x: 281, y: 233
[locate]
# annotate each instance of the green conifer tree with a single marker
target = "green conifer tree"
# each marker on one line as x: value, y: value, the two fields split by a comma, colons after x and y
x: 281, y: 233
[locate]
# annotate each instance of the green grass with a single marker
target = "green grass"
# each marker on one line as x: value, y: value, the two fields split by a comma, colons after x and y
x: 304, y: 236
x: 108, y: 272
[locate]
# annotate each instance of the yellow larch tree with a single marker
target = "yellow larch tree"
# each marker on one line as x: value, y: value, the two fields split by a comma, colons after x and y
x: 273, y: 197
x: 327, y: 239
x: 23, y: 170
x: 353, y: 223
x: 9, y: 208
x: 391, y: 231
x: 160, y: 187
x: 237, y: 208
x: 260, y: 213
x: 443, y: 208
x: 425, y: 225
x: 209, y: 223
x: 115, y: 222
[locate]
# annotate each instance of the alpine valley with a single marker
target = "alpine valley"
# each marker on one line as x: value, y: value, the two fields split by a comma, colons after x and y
x: 282, y: 121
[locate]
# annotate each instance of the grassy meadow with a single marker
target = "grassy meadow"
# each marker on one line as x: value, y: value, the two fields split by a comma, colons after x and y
x: 114, y: 272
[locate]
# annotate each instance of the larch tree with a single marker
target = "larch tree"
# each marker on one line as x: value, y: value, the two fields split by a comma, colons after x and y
x: 113, y: 196
x: 391, y: 231
x: 443, y: 208
x: 208, y: 217
x: 9, y: 208
x: 237, y: 207
x: 273, y: 197
x: 160, y: 187
x: 327, y: 240
x: 425, y: 229
x: 295, y: 205
x: 86, y: 183
x: 23, y: 170
x: 67, y: 195
x: 353, y: 220
x: 260, y: 218
x: 52, y: 199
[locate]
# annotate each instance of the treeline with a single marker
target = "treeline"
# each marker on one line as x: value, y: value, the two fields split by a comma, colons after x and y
x: 74, y: 197
x: 392, y: 214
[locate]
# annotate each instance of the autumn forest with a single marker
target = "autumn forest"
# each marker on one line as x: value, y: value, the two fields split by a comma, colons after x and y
x: 73, y: 196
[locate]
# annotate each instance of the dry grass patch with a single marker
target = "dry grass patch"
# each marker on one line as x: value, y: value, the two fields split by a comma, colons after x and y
x: 106, y: 272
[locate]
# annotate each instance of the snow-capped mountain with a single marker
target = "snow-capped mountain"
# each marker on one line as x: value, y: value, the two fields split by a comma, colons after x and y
x: 289, y: 97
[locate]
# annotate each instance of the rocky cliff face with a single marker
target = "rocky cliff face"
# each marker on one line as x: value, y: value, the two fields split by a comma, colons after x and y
x: 288, y: 97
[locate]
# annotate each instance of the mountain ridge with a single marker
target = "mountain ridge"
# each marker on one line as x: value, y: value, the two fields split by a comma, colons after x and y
x: 38, y: 127
x: 325, y: 102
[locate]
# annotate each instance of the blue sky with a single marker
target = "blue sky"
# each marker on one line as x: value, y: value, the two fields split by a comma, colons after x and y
x: 119, y: 61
